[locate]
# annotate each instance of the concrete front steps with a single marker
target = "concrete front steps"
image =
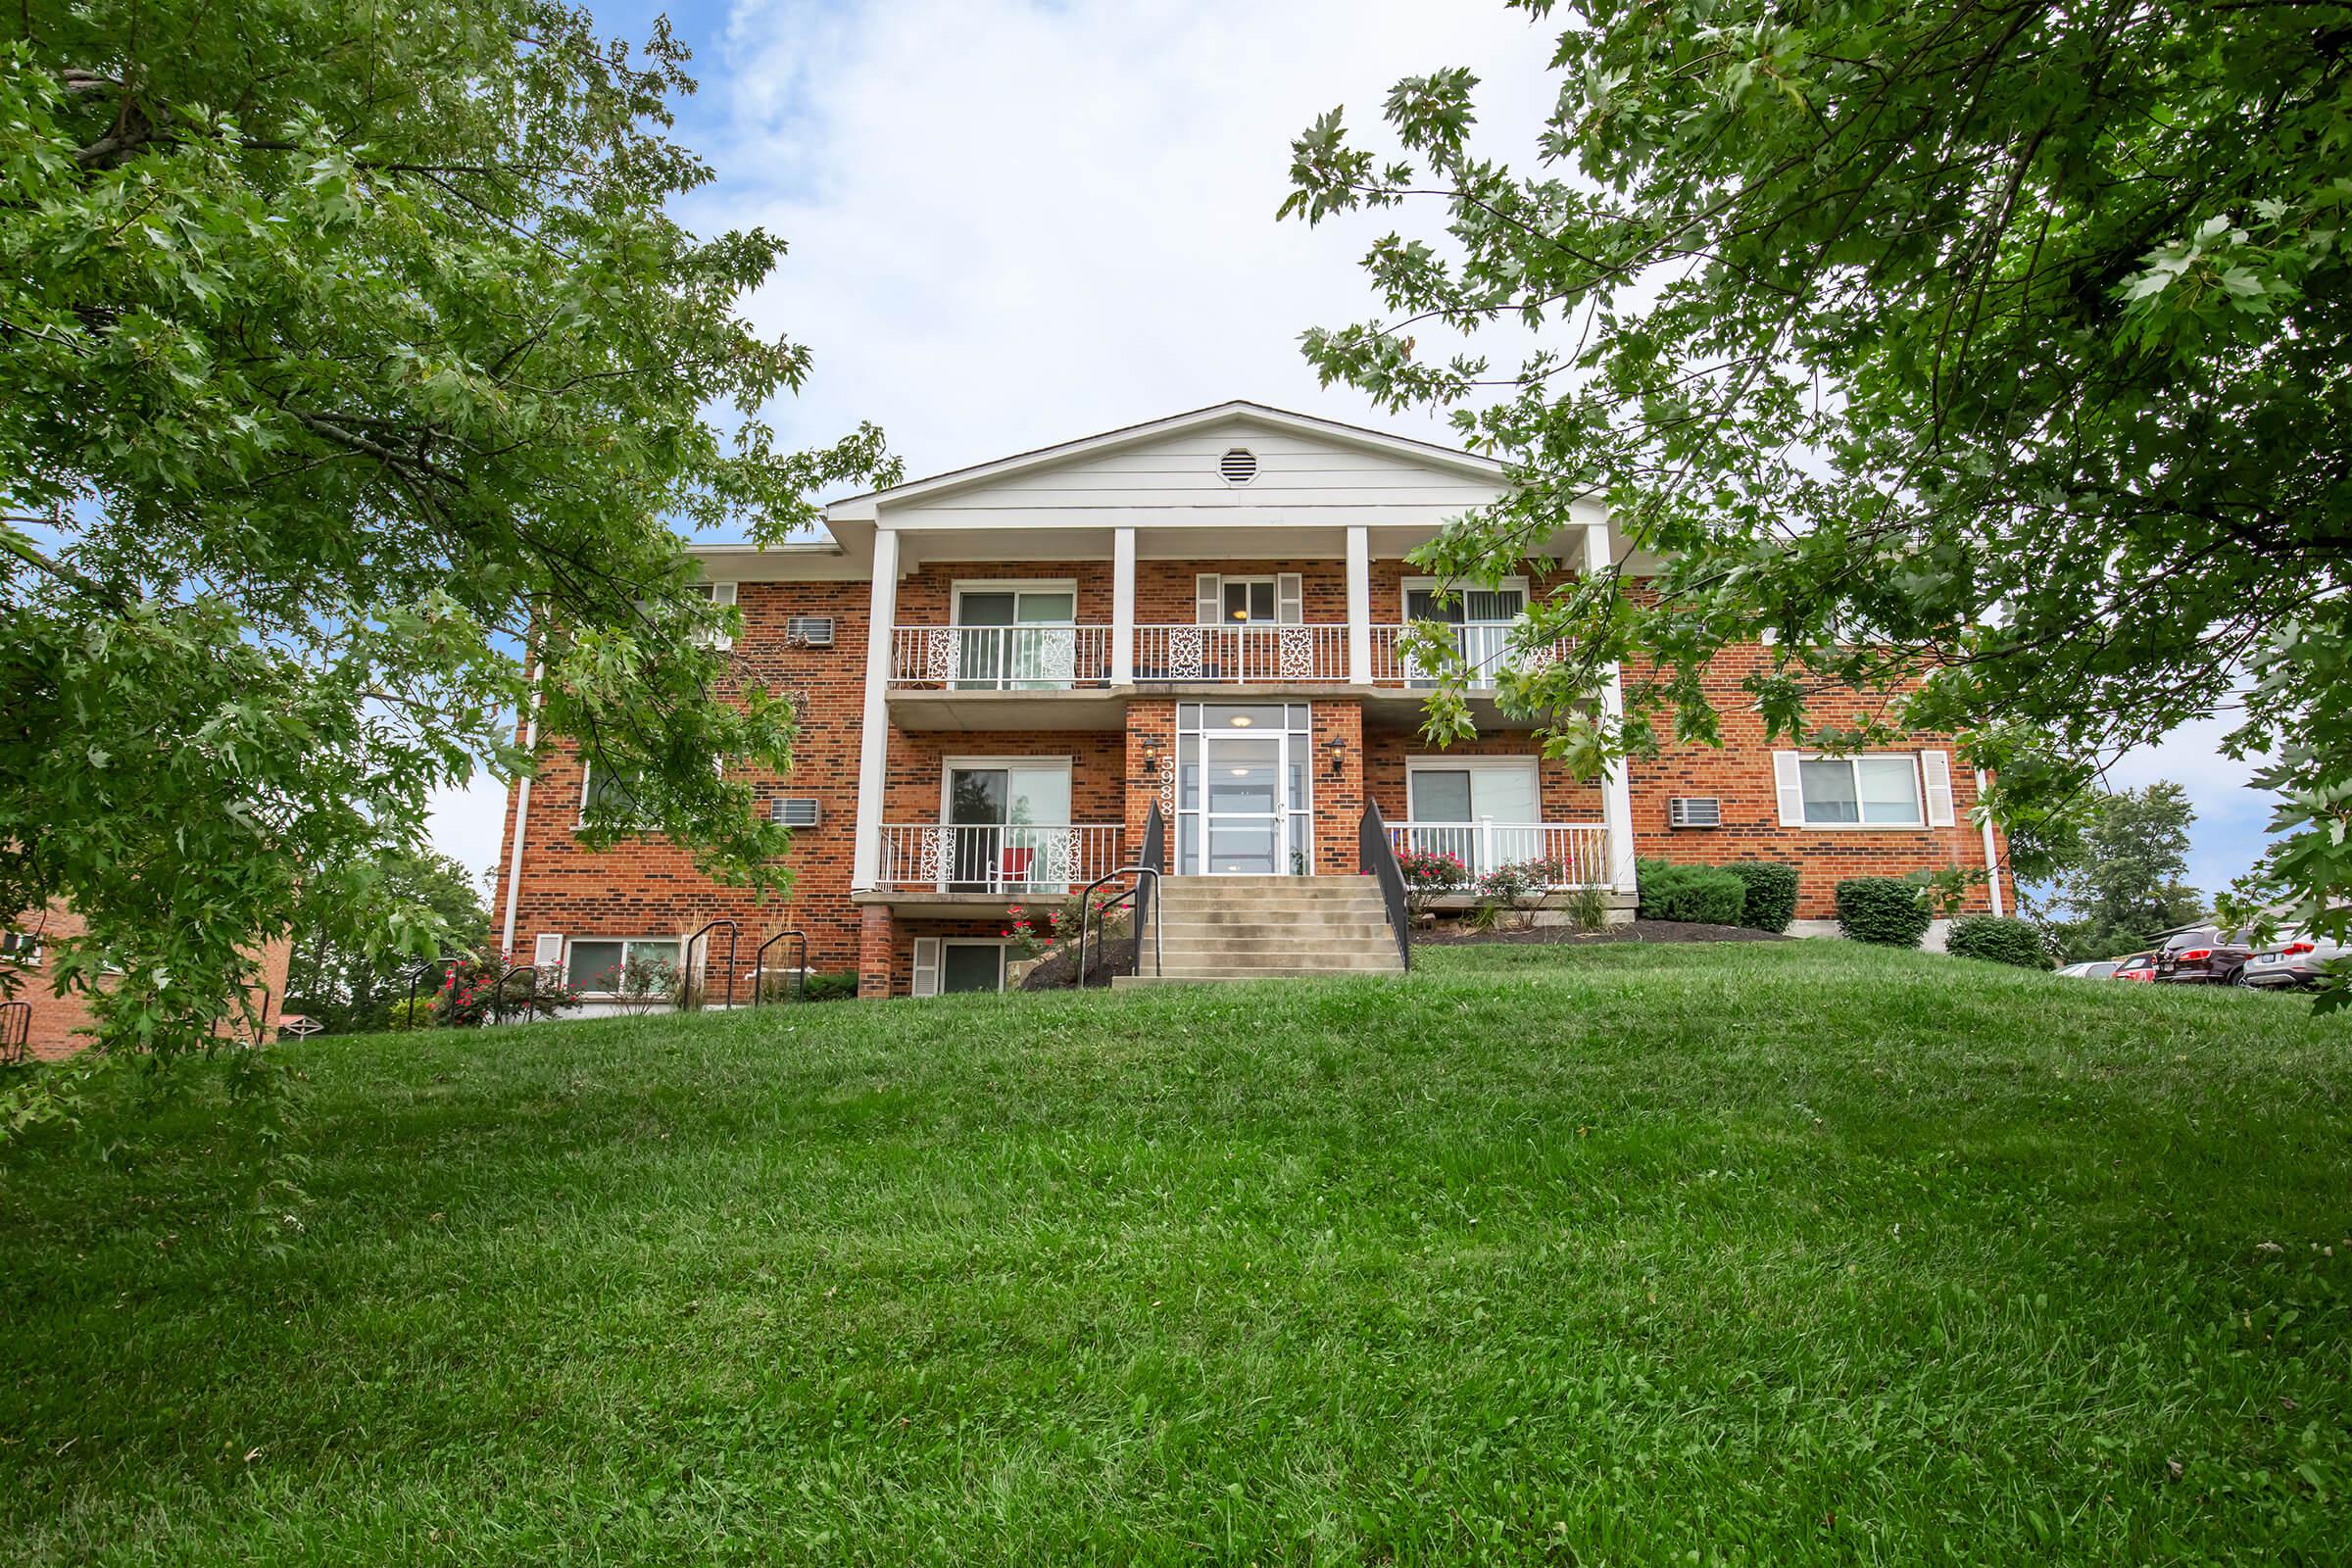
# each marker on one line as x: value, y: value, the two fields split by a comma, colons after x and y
x: 1267, y: 928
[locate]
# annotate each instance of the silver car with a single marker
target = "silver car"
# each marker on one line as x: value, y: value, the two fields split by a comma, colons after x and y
x: 2294, y: 959
x: 2095, y: 970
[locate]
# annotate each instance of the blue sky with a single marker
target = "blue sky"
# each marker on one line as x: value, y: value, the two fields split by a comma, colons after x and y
x: 1012, y: 222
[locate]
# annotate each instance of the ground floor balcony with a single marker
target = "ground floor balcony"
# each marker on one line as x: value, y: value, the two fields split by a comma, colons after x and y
x: 1557, y: 856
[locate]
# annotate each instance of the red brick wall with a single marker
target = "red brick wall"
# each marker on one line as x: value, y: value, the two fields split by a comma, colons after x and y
x: 1739, y: 774
x: 1338, y: 792
x: 1564, y: 800
x: 646, y: 887
x: 60, y: 1024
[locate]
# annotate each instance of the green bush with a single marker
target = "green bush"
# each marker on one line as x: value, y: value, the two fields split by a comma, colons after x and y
x: 1886, y: 909
x: 1771, y: 901
x: 1703, y: 895
x: 838, y: 985
x: 2003, y: 939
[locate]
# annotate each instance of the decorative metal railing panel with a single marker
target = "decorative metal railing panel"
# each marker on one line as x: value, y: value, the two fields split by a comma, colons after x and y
x: 1010, y: 859
x: 1485, y: 649
x: 1000, y: 658
x: 1568, y: 854
x: 1250, y: 653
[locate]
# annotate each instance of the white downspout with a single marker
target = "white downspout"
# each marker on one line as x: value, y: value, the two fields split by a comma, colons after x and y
x: 522, y: 812
x: 1992, y: 856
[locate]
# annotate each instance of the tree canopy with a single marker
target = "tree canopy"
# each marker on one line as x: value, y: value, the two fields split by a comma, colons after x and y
x: 354, y: 374
x: 2130, y: 880
x: 1988, y: 353
x: 349, y: 987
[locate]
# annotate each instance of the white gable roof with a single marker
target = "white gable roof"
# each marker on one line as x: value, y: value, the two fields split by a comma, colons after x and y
x: 1175, y: 465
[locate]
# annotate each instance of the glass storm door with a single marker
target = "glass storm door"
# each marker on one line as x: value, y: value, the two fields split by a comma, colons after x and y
x: 1007, y: 828
x: 1244, y: 804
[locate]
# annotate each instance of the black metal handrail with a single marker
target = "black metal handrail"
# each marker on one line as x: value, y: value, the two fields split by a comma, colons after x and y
x: 16, y: 1032
x: 530, y: 1003
x: 1154, y: 858
x: 1376, y: 857
x: 408, y: 1018
x: 686, y: 961
x: 1134, y: 897
x: 760, y: 965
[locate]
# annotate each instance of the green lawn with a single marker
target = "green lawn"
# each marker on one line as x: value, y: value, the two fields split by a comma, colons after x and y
x: 1761, y: 1253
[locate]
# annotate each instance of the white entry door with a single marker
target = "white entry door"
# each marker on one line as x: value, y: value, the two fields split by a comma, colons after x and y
x: 1245, y: 799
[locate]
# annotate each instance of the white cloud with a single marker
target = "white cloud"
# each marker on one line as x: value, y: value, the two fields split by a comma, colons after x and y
x: 1015, y: 223
x: 466, y: 823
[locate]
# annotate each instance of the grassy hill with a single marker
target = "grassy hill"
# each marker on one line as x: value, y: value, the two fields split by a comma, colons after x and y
x: 1771, y: 1253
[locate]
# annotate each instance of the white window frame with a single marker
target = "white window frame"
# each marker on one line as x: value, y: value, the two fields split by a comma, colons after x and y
x: 586, y: 764
x: 936, y: 968
x: 949, y: 764
x: 1472, y: 765
x: 1919, y: 792
x: 1012, y: 585
x: 1294, y: 602
x: 573, y: 939
x: 1409, y: 586
x: 717, y: 593
x: 24, y: 949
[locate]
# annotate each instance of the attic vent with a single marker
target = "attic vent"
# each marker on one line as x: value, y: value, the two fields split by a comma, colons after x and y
x: 794, y: 811
x: 1694, y: 811
x: 1239, y: 466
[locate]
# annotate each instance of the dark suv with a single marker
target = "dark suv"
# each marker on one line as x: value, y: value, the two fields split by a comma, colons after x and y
x: 2206, y: 957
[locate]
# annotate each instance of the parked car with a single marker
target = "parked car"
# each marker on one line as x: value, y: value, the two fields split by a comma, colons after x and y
x: 2138, y: 967
x: 2293, y: 960
x: 2204, y: 957
x: 2096, y: 970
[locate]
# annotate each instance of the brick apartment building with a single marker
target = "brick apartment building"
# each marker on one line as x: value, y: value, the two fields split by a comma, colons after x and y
x: 37, y: 1021
x: 1002, y: 669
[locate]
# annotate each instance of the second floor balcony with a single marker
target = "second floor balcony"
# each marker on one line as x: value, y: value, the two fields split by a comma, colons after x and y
x: 1067, y: 657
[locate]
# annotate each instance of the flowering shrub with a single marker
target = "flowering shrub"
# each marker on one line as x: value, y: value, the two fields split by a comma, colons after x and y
x: 469, y: 996
x: 1428, y: 874
x: 1516, y: 888
x: 1034, y: 931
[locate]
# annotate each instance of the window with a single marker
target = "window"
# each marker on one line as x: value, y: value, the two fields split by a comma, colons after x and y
x: 1016, y: 638
x: 716, y: 593
x: 1249, y: 598
x: 1869, y: 791
x: 608, y: 794
x: 943, y: 965
x: 597, y: 962
x: 1279, y: 600
x: 20, y: 948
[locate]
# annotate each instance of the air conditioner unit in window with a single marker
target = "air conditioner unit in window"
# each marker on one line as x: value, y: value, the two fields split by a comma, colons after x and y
x: 809, y: 631
x: 1694, y: 811
x: 796, y: 811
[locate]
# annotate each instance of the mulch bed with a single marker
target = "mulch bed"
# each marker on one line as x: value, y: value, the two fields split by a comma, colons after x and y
x: 1453, y: 936
x: 1104, y: 960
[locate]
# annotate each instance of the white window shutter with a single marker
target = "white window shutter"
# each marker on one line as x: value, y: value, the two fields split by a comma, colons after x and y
x: 926, y: 966
x: 1790, y: 785
x: 1208, y: 599
x: 547, y: 951
x: 1289, y: 599
x: 1936, y: 767
x: 722, y: 593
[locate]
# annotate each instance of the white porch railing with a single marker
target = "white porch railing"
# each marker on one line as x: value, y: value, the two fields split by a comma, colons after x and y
x: 1569, y: 854
x: 1485, y: 648
x: 1013, y: 859
x: 1000, y: 658
x: 1242, y: 653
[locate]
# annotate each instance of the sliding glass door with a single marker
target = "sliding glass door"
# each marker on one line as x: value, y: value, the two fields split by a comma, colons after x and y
x: 1015, y: 639
x: 1007, y: 828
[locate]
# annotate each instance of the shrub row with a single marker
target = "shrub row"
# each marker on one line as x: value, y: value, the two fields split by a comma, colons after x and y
x: 1758, y: 894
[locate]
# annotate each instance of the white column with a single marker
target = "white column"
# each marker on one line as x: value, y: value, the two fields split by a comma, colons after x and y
x: 873, y: 741
x: 1359, y: 605
x: 1122, y: 607
x: 1616, y: 791
x: 1992, y: 854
